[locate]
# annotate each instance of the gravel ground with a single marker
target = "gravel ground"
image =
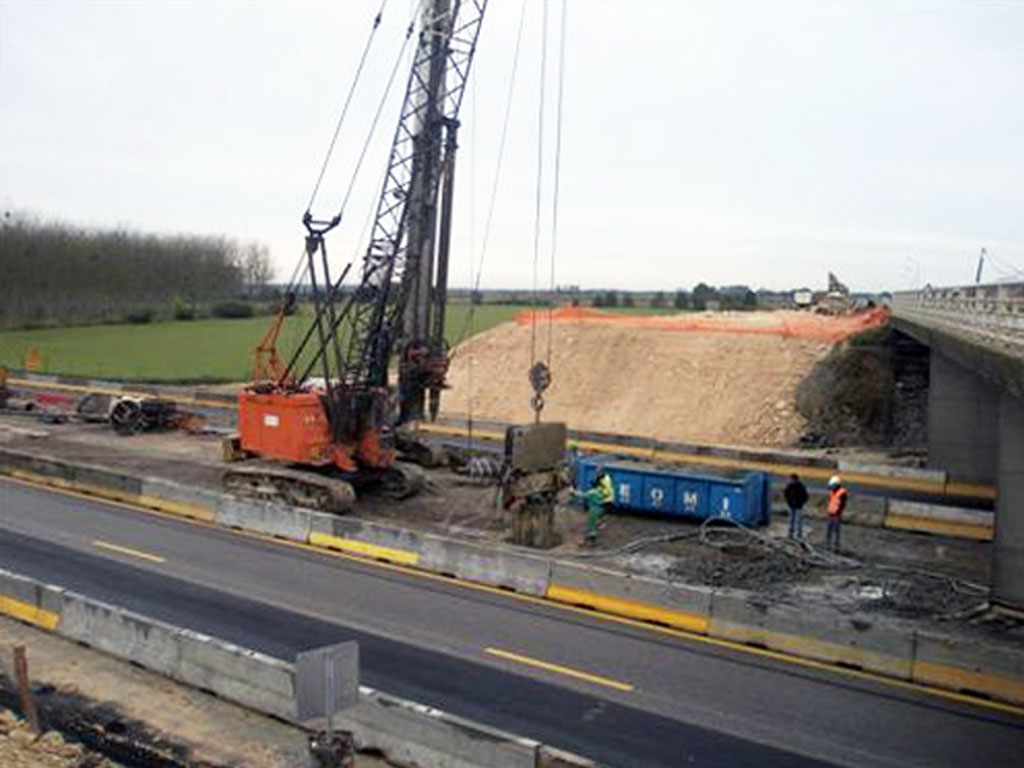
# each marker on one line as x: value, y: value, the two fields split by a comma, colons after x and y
x: 20, y: 748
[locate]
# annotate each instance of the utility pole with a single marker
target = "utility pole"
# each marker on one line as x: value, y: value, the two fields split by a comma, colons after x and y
x: 981, y: 263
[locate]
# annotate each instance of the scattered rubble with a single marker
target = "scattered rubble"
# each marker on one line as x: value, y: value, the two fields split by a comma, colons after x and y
x: 21, y: 748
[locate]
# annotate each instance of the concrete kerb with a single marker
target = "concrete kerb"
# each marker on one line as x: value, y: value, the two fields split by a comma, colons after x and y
x: 272, y: 519
x: 936, y: 476
x: 27, y: 465
x: 249, y: 678
x: 549, y: 757
x: 449, y: 557
x: 685, y: 607
x: 856, y: 641
x: 30, y: 601
x: 364, y: 539
x: 415, y: 735
x: 93, y: 480
x: 969, y: 665
x: 181, y: 500
x: 941, y: 519
x: 246, y: 677
x: 486, y: 565
x: 105, y: 482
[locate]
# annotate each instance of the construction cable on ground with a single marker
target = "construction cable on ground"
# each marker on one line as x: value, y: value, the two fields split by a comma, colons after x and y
x: 797, y: 549
x: 713, y: 532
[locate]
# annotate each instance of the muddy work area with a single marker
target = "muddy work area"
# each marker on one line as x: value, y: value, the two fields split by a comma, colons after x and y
x: 877, y: 570
x: 896, y: 573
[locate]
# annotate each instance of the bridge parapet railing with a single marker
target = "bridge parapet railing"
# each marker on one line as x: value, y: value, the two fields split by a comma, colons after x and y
x: 994, y: 311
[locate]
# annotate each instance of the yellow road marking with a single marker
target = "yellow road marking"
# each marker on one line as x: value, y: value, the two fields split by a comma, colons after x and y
x: 128, y: 551
x: 567, y: 671
x: 28, y: 612
x: 767, y: 653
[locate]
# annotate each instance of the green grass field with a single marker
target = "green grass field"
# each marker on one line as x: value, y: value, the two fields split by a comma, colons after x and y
x: 185, y: 351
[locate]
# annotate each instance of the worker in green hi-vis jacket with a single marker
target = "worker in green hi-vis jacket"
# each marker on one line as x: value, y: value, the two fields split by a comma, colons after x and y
x: 598, y: 500
x: 604, y: 484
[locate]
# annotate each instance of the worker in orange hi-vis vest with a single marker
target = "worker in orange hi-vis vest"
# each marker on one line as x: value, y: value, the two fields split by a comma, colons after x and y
x: 837, y: 496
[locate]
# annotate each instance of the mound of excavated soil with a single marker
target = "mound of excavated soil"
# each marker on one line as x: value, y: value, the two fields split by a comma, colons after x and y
x: 687, y: 386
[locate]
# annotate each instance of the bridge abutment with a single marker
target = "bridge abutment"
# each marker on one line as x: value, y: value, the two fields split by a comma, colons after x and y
x: 963, y: 421
x: 1008, y: 571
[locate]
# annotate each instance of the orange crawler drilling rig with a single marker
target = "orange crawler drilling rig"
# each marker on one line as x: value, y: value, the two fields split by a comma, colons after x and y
x: 317, y: 439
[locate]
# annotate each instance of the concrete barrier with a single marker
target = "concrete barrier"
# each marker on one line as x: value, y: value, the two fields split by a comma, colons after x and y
x: 181, y: 500
x: 356, y: 537
x: 470, y: 562
x: 415, y: 735
x: 848, y: 640
x: 238, y: 674
x: 406, y: 733
x: 31, y: 466
x: 857, y: 641
x: 272, y: 519
x: 86, y: 478
x: 108, y: 483
x: 941, y: 519
x: 486, y: 565
x: 549, y: 757
x: 682, y: 606
x: 970, y: 665
x: 936, y: 476
x: 29, y: 601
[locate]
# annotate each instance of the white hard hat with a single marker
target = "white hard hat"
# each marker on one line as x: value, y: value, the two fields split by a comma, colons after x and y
x: 834, y: 480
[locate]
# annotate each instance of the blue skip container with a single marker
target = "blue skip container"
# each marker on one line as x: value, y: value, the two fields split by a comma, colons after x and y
x: 645, y: 488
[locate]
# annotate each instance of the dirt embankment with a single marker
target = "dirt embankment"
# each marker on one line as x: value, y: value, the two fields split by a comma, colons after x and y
x: 709, y: 387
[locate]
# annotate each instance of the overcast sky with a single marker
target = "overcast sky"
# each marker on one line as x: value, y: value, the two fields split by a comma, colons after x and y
x: 757, y: 142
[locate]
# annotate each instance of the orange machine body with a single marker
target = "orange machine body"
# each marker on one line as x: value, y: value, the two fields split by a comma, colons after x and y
x: 285, y: 426
x: 293, y: 427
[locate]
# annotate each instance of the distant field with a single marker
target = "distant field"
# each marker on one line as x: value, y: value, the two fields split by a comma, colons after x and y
x: 186, y: 351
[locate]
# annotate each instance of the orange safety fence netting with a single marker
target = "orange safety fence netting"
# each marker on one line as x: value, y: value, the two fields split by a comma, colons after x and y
x: 785, y: 323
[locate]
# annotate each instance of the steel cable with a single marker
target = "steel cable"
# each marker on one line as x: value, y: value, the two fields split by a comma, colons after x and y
x: 539, y: 182
x: 558, y: 171
x: 348, y: 102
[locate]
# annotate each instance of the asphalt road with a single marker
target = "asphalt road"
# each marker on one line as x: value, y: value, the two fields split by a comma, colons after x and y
x: 621, y: 694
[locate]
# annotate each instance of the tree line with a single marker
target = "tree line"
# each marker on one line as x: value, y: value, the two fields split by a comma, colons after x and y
x: 54, y: 273
x: 699, y: 299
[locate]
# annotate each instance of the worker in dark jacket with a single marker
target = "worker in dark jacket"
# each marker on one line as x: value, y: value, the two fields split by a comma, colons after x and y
x: 796, y: 496
x: 837, y: 497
